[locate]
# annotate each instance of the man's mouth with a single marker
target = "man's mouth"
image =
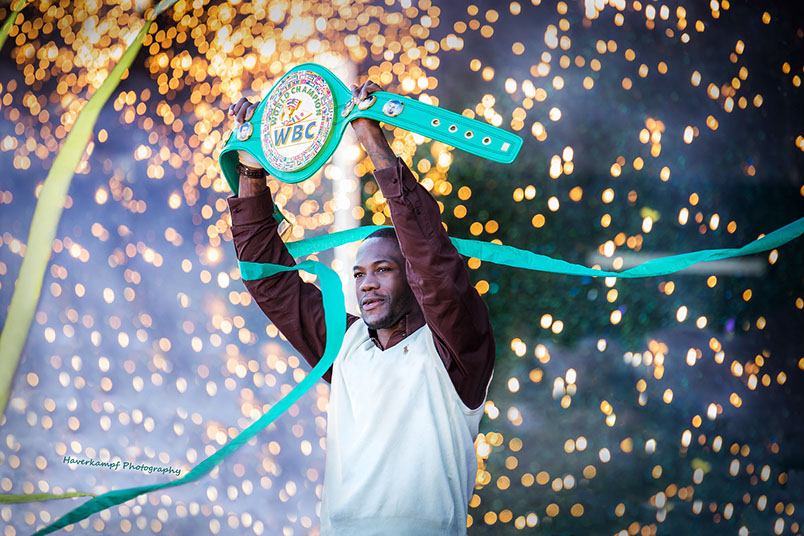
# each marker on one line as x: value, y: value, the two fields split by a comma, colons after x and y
x: 369, y: 304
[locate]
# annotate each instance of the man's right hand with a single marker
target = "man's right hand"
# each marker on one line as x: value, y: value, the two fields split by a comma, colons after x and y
x: 251, y: 181
x: 242, y: 110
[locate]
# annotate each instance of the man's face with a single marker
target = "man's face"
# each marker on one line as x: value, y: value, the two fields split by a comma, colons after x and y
x: 382, y: 290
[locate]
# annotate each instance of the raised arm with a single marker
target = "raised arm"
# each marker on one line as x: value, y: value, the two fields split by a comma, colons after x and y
x: 436, y: 272
x: 294, y: 307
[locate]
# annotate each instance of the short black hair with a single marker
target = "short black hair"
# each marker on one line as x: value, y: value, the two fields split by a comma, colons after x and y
x: 384, y: 232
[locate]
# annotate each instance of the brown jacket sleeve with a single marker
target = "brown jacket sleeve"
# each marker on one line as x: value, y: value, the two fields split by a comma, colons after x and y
x: 436, y: 272
x: 294, y: 307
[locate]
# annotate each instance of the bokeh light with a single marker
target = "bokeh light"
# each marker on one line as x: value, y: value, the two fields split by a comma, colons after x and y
x: 618, y: 407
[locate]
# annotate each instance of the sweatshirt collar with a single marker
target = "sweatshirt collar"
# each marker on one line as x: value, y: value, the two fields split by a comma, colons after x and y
x: 409, y: 324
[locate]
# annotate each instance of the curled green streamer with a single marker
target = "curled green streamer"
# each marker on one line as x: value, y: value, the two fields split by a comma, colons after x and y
x: 48, y: 211
x: 518, y: 258
x: 10, y: 21
x: 335, y: 318
x: 38, y: 497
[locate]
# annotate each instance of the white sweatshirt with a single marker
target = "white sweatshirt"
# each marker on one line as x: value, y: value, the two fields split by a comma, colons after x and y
x: 400, y: 442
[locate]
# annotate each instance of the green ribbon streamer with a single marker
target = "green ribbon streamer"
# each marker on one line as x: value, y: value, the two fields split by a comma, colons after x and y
x: 518, y: 258
x: 47, y: 214
x: 510, y: 256
x: 37, y: 497
x: 335, y: 317
x: 9, y: 22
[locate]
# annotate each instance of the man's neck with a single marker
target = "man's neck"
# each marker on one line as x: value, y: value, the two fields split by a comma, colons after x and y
x: 408, y: 324
x: 384, y: 335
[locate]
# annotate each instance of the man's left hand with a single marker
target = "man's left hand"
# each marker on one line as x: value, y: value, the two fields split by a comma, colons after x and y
x: 368, y: 130
x: 362, y: 91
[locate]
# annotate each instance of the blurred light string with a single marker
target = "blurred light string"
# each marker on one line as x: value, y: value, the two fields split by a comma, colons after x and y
x: 335, y: 317
x: 47, y: 213
x: 10, y: 21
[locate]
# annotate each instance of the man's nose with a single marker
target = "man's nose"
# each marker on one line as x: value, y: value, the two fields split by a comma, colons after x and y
x: 368, y: 282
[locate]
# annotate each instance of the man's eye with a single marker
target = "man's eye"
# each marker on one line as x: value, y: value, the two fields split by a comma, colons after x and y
x: 382, y: 269
x: 358, y: 274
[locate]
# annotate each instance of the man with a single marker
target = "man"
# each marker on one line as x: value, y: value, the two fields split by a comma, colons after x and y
x: 409, y: 384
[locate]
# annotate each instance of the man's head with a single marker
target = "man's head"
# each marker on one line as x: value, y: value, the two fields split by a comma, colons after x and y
x: 382, y: 289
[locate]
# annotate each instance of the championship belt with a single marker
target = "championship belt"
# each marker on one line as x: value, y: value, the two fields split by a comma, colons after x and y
x: 296, y: 128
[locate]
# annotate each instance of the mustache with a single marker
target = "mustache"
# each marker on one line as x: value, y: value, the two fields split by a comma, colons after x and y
x: 372, y: 297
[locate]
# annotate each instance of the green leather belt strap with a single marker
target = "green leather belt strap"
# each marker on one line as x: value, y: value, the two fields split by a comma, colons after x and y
x: 335, y: 316
x: 298, y: 125
x: 462, y: 132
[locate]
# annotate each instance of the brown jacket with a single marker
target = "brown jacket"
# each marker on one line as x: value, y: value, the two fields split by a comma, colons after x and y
x: 436, y: 273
